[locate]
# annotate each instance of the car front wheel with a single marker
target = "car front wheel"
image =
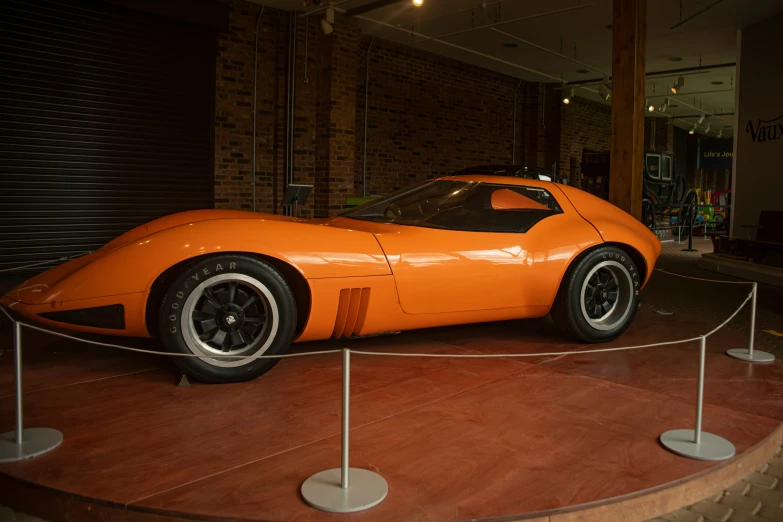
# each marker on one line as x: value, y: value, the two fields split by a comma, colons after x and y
x: 599, y: 296
x: 227, y: 305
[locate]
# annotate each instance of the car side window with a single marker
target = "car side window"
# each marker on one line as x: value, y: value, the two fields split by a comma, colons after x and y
x: 498, y: 208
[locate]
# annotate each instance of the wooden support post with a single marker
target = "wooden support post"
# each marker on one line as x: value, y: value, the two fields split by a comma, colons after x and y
x: 629, y: 45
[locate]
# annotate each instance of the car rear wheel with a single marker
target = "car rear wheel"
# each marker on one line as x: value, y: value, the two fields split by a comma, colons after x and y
x: 599, y: 296
x: 228, y: 305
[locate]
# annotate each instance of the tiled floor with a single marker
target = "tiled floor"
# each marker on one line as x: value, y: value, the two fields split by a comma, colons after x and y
x: 434, y: 428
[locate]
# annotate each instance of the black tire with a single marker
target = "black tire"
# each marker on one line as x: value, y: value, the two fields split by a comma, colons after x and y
x: 586, y: 293
x: 244, y: 301
x: 648, y: 214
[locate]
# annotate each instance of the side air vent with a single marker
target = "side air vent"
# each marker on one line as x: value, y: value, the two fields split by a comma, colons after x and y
x: 351, y: 312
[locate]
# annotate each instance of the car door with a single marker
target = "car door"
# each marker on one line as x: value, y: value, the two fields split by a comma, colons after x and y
x: 482, y: 258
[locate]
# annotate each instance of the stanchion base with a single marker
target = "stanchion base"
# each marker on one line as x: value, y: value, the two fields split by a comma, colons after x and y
x: 711, y: 447
x: 743, y: 354
x: 36, y: 442
x: 366, y: 489
x: 690, y: 249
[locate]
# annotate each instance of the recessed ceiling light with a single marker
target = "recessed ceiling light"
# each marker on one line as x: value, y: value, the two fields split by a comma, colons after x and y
x: 673, y: 106
x: 717, y: 82
x: 582, y: 71
x: 675, y: 59
x: 510, y: 45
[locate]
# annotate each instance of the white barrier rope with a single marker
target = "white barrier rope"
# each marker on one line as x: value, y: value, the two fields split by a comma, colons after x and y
x: 170, y: 354
x: 732, y: 316
x: 59, y: 259
x: 707, y: 280
x: 545, y: 354
x: 389, y: 354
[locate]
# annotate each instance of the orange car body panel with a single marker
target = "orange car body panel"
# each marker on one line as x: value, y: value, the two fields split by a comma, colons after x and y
x: 364, y: 277
x: 616, y: 226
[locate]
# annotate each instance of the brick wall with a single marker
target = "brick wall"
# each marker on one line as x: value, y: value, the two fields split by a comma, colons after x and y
x: 233, y: 108
x: 584, y: 125
x: 658, y: 134
x: 428, y: 116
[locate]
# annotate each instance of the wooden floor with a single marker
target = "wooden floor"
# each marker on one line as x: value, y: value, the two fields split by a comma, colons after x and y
x: 455, y: 439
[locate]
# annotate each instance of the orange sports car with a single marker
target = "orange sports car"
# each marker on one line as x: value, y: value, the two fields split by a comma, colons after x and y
x: 459, y: 249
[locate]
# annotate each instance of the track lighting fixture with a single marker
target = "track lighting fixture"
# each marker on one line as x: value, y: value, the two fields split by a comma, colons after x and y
x: 720, y: 133
x: 650, y: 106
x: 679, y: 85
x: 327, y: 22
x: 701, y: 119
x: 604, y: 92
x: 693, y: 130
x: 665, y: 105
x: 418, y: 3
x: 707, y: 129
x: 568, y: 97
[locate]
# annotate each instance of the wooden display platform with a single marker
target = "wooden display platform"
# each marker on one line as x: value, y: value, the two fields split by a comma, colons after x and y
x: 545, y: 438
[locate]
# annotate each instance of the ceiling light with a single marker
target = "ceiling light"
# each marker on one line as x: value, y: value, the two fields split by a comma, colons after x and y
x: 605, y: 90
x: 665, y: 105
x: 707, y: 129
x: 582, y: 71
x: 701, y: 119
x: 675, y: 59
x: 327, y: 22
x: 418, y: 3
x: 720, y: 133
x: 677, y: 86
x: 717, y: 82
x: 568, y: 97
x: 650, y: 106
x: 693, y: 129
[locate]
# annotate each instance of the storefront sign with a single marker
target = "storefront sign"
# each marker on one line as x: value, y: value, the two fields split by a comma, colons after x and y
x: 715, y: 154
x: 765, y: 130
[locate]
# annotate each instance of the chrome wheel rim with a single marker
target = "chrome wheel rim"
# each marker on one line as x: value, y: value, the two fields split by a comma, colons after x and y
x: 229, y: 314
x: 606, y: 295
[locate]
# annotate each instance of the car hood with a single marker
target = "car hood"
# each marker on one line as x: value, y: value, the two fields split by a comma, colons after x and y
x: 43, y: 287
x: 183, y: 218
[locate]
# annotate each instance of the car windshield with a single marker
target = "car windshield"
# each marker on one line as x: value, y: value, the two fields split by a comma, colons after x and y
x: 462, y: 205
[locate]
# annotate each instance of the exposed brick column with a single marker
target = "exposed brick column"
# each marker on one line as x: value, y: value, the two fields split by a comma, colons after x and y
x: 336, y: 116
x: 658, y: 134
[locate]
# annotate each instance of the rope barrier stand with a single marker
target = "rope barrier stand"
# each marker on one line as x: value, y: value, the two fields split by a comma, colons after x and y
x: 345, y: 489
x: 748, y: 354
x: 744, y: 354
x: 695, y: 443
x: 24, y: 443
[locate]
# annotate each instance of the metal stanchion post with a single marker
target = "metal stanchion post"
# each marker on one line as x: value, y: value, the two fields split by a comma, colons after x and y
x: 692, y: 212
x: 24, y: 443
x: 695, y: 443
x: 345, y: 489
x: 749, y: 354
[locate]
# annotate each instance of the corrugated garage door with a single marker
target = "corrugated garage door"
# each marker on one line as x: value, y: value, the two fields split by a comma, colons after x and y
x: 105, y: 123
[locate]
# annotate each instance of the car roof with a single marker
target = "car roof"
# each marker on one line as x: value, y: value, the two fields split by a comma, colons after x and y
x: 502, y: 170
x: 500, y: 180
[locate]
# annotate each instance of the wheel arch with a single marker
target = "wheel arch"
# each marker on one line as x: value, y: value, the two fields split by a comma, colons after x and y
x: 295, y: 279
x: 636, y: 256
x: 633, y: 253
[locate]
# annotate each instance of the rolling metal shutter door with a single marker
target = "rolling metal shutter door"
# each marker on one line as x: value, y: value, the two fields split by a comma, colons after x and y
x: 106, y: 118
